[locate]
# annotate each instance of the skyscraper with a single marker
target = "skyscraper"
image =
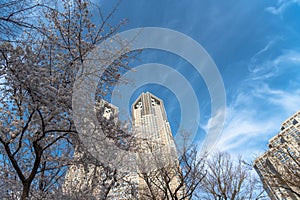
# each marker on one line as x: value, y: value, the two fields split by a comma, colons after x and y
x: 151, y: 124
x: 153, y: 135
x: 152, y: 127
x: 279, y: 167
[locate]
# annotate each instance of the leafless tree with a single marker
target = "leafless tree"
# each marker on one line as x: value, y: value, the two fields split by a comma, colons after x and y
x: 229, y: 179
x: 178, y: 178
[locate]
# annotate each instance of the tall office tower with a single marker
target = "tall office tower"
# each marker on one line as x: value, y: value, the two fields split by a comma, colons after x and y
x: 279, y: 167
x: 153, y: 136
x: 150, y: 122
x: 151, y: 126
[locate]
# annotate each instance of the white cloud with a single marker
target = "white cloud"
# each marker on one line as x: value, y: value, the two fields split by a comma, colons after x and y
x: 287, y: 101
x: 255, y: 117
x: 270, y: 68
x: 282, y: 5
x: 213, y: 128
x: 243, y: 125
x: 265, y: 49
x: 258, y: 110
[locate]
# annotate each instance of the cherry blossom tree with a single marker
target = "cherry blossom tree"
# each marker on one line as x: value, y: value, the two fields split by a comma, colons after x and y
x: 39, y: 63
x: 15, y: 17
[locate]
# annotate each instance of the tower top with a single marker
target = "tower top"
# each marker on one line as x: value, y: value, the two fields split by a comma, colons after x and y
x: 146, y: 103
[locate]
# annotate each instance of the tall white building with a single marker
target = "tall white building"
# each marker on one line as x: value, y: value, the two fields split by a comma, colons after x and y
x: 151, y: 124
x: 153, y: 135
x: 152, y: 127
x: 279, y: 167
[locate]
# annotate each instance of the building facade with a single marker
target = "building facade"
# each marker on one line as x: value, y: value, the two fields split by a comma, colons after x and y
x: 151, y: 124
x: 279, y: 166
x: 152, y: 128
x: 153, y: 136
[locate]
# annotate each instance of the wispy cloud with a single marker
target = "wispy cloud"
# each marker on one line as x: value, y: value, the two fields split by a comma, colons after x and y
x: 256, y: 113
x: 260, y: 107
x: 287, y: 101
x: 269, y: 45
x: 243, y: 125
x: 249, y: 126
x: 282, y: 5
x: 258, y: 110
x: 213, y: 127
x: 271, y: 67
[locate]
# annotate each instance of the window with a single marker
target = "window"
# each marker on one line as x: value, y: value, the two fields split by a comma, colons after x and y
x: 295, y: 122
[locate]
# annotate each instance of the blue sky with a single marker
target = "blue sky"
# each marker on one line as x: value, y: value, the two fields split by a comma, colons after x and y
x: 256, y: 47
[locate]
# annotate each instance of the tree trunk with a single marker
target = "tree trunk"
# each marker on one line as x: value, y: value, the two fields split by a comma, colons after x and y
x: 25, y: 192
